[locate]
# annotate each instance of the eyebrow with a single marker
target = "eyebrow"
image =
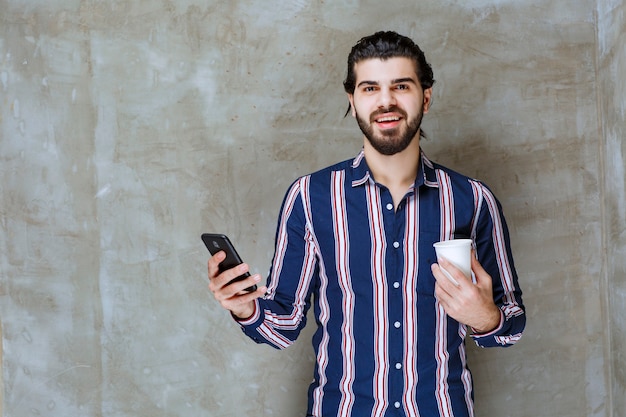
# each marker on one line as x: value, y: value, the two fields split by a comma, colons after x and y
x: 404, y: 80
x: 396, y: 81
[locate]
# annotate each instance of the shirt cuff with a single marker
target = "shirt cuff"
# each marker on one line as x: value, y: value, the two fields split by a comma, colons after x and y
x: 249, y: 320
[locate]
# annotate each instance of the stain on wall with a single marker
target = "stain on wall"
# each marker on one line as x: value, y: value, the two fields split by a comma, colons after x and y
x: 129, y: 128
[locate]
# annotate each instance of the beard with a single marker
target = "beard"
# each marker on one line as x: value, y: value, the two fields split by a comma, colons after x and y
x: 391, y: 141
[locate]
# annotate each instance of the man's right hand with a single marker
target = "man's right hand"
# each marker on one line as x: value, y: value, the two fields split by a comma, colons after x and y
x: 233, y: 297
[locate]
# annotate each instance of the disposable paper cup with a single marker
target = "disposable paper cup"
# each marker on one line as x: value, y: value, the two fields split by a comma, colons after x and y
x: 457, y: 252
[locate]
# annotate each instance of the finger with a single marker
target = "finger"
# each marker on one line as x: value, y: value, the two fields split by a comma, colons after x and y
x: 241, y: 287
x: 482, y: 277
x: 445, y: 299
x: 243, y: 306
x: 440, y: 278
x: 232, y: 299
x: 222, y: 281
x: 476, y: 266
x: 450, y: 272
x: 223, y: 291
x: 214, y: 263
x: 253, y: 295
x: 441, y: 293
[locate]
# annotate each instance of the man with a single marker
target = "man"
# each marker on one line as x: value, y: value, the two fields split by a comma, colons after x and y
x: 355, y: 240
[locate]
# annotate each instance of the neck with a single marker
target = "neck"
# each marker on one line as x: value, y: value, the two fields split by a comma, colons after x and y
x: 396, y: 172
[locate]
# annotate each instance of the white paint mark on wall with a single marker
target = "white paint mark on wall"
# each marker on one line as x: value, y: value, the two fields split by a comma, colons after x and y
x: 103, y: 191
x: 204, y: 81
x: 616, y: 162
x: 16, y: 108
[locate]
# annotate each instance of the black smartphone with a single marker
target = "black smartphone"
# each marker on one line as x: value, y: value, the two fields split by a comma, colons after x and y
x: 215, y: 242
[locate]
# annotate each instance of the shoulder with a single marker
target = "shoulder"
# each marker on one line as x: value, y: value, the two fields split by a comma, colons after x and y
x: 319, y: 178
x: 459, y: 182
x: 453, y: 174
x: 337, y: 167
x: 324, y: 174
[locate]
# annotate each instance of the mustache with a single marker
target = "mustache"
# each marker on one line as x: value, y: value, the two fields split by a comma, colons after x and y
x: 390, y: 109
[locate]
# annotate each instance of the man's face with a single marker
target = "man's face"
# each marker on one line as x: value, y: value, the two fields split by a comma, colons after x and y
x: 388, y: 103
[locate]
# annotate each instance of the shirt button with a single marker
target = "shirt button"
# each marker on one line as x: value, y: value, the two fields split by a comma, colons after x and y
x: 397, y: 404
x: 398, y: 365
x: 397, y: 325
x: 396, y: 285
x: 396, y: 245
x: 389, y: 206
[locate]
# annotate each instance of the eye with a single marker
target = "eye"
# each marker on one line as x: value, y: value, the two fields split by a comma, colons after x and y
x: 402, y: 87
x: 369, y: 89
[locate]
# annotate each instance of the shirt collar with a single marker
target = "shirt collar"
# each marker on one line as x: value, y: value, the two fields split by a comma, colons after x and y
x: 426, y: 174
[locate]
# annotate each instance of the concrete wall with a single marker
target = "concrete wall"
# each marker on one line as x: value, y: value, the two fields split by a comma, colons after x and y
x: 612, y: 104
x: 127, y: 128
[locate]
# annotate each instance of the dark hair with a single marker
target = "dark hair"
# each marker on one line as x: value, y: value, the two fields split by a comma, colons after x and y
x: 385, y: 45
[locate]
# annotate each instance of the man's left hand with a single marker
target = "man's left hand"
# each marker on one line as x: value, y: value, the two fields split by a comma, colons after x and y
x: 468, y: 303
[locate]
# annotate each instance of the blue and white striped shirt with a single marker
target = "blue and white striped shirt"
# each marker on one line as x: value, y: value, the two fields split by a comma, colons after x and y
x: 384, y: 345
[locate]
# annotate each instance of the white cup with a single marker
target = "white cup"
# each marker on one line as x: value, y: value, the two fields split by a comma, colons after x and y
x: 459, y: 253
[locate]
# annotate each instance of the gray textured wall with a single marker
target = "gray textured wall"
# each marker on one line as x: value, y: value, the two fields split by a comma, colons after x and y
x: 612, y: 86
x: 127, y: 128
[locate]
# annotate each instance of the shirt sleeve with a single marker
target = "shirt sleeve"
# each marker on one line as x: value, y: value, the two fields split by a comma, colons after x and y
x: 493, y: 249
x: 281, y: 314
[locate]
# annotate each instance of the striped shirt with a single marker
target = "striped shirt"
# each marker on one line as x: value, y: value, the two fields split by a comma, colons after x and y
x: 384, y: 345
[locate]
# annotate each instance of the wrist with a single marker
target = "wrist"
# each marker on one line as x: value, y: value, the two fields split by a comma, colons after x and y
x: 492, y: 323
x: 244, y: 313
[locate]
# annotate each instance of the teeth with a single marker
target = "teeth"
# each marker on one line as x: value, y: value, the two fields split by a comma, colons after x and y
x: 388, y: 119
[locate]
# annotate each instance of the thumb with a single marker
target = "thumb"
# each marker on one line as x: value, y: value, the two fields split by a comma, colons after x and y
x: 483, y: 279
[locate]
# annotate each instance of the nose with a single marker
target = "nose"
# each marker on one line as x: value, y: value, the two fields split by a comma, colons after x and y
x: 386, y: 98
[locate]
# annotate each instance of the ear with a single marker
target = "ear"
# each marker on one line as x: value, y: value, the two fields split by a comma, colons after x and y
x: 351, y: 100
x: 428, y: 94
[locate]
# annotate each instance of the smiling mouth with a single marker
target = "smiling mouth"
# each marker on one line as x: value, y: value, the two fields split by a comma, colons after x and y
x: 387, y: 119
x: 388, y: 122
